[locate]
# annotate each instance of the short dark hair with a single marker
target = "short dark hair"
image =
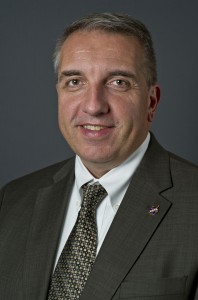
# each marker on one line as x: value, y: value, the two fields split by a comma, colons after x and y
x: 114, y: 23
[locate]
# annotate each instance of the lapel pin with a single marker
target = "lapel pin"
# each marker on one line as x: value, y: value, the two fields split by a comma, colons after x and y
x: 153, y: 210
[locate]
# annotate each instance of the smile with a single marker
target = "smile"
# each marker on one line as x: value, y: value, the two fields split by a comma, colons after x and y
x: 94, y: 127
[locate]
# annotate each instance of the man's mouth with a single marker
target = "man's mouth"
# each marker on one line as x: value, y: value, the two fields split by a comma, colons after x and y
x: 94, y: 127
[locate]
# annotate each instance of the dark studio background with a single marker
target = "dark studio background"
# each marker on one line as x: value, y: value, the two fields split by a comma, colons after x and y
x: 29, y: 135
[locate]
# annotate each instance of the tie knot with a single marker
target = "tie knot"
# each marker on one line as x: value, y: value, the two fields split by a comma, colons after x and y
x: 93, y: 195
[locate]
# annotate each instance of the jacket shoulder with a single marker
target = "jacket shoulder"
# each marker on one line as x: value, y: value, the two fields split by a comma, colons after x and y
x: 44, y: 176
x: 182, y: 164
x: 184, y: 172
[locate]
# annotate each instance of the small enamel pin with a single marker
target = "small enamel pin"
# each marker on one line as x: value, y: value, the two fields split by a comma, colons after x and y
x: 153, y: 210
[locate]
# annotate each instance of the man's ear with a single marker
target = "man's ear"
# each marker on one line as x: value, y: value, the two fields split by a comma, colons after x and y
x: 154, y: 98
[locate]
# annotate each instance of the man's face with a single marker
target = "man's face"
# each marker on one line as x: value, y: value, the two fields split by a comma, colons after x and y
x: 105, y: 106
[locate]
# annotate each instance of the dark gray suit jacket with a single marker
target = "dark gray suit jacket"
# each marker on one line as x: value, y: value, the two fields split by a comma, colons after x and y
x: 143, y: 256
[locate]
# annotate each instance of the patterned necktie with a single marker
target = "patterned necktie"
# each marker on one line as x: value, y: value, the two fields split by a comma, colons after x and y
x: 79, y: 253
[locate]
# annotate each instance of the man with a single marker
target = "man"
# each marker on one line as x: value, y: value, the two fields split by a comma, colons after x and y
x: 146, y: 225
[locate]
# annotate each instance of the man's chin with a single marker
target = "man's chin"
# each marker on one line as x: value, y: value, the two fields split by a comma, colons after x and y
x: 98, y: 165
x: 95, y: 159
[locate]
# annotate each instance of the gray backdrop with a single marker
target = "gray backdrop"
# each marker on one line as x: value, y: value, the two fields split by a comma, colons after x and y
x: 29, y: 135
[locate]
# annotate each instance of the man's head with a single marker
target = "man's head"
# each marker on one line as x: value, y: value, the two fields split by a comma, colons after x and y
x: 107, y: 92
x: 114, y: 23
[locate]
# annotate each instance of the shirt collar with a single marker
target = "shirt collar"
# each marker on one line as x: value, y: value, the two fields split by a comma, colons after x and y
x: 116, y: 180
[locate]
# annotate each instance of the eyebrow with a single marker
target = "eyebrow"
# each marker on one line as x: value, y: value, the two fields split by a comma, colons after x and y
x: 68, y: 73
x: 122, y: 73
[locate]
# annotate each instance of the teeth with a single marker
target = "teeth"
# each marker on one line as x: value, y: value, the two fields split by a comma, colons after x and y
x: 93, y: 127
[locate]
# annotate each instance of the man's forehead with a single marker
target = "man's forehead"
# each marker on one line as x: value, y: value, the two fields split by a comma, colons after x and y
x: 81, y: 37
x: 82, y: 45
x: 100, y: 51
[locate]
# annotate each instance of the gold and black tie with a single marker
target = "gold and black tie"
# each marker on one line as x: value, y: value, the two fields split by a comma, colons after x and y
x: 79, y: 253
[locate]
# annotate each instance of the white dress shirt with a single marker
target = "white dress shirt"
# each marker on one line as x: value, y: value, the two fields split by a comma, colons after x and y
x: 115, y: 182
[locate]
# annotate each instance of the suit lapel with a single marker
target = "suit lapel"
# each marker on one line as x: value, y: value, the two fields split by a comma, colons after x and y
x: 132, y: 227
x: 45, y: 230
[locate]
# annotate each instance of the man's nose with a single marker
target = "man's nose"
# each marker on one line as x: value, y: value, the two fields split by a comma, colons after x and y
x: 95, y: 101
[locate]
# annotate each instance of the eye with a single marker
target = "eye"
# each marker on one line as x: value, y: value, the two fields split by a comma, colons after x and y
x: 119, y: 84
x: 73, y: 82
